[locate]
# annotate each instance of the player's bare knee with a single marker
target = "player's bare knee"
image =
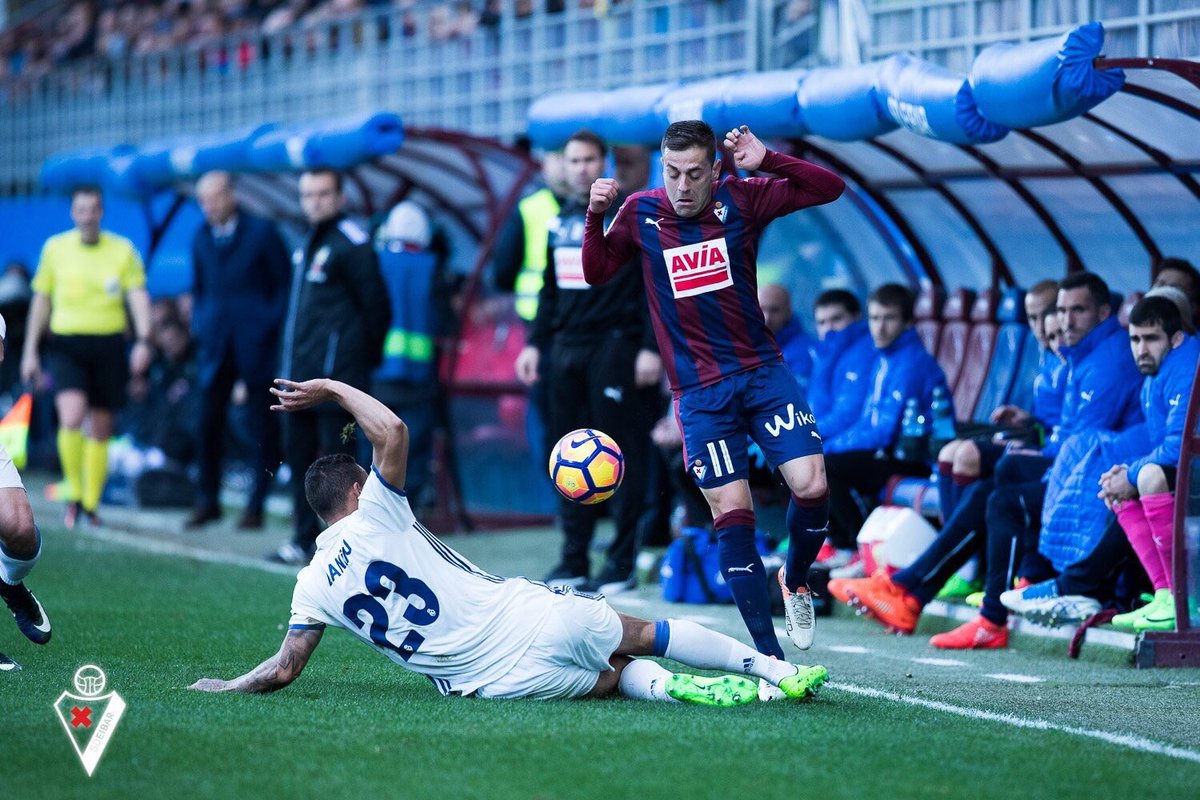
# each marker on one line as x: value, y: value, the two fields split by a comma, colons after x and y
x: 966, y: 459
x: 1152, y: 480
x: 805, y: 477
x: 637, y: 636
x: 947, y: 452
x: 17, y: 530
x: 733, y: 496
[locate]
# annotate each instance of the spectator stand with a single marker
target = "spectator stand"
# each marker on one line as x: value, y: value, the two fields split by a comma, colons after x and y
x: 1046, y: 159
x: 469, y: 185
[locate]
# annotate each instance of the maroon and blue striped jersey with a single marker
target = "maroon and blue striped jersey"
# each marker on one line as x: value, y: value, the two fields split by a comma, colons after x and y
x: 700, y: 272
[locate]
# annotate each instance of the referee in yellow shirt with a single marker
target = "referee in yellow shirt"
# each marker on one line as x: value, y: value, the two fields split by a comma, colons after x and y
x: 83, y: 281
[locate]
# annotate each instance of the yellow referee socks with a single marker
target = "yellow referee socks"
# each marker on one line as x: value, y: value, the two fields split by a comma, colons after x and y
x: 70, y: 455
x: 95, y: 472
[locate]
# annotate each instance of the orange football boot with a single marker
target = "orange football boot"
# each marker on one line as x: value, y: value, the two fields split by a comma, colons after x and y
x: 885, y: 602
x: 978, y: 634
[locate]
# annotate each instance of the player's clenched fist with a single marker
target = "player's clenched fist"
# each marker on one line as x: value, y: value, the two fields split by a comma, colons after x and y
x: 748, y: 151
x: 604, y: 191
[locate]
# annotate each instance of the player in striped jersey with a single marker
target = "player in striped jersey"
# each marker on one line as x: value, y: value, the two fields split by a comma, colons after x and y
x: 697, y: 242
x: 379, y: 574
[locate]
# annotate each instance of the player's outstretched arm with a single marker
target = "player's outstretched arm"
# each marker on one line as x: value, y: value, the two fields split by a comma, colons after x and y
x: 276, y: 672
x: 386, y: 432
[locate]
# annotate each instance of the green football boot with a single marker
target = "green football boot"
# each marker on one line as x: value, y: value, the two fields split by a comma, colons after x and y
x: 805, y: 683
x: 723, y: 691
x: 1160, y: 614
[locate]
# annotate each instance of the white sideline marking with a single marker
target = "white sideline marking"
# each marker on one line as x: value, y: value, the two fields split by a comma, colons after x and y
x: 1008, y: 676
x: 848, y: 648
x: 158, y: 547
x: 1119, y: 739
x: 940, y: 662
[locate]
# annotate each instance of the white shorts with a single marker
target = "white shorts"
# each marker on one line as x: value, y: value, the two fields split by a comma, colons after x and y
x: 9, y: 477
x: 565, y: 660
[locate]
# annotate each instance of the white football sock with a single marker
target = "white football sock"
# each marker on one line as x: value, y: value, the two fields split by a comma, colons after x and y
x: 14, y: 570
x: 645, y: 680
x: 697, y: 646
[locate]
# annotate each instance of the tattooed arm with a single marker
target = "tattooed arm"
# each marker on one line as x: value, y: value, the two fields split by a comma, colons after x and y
x: 276, y: 672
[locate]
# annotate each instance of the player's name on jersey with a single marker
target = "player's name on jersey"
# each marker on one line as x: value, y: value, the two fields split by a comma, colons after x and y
x: 339, y: 563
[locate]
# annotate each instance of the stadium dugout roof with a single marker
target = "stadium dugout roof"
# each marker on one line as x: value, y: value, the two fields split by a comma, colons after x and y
x: 470, y: 184
x: 1046, y: 156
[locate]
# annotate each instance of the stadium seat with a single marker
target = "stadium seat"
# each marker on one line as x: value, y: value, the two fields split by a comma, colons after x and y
x: 952, y: 345
x: 928, y: 314
x: 1007, y: 350
x: 976, y: 363
x: 1125, y: 308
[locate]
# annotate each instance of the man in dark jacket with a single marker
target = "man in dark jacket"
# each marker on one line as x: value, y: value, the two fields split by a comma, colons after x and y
x: 338, y: 316
x: 595, y: 348
x: 240, y: 278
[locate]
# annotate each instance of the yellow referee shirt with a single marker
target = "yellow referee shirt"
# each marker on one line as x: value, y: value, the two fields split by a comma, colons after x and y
x: 86, y: 284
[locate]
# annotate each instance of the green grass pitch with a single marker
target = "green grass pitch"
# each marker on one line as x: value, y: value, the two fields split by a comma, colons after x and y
x: 354, y: 725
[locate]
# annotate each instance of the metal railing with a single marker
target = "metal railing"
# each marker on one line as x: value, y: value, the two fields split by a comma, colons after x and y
x: 482, y: 82
x: 952, y: 32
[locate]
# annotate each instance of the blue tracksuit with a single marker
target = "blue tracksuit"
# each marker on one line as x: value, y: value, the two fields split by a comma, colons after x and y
x: 840, y: 380
x: 904, y: 369
x: 1164, y: 404
x: 1102, y: 385
x: 797, y: 347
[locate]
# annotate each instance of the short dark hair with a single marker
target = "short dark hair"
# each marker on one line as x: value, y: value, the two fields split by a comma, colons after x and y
x: 1097, y: 288
x: 689, y: 133
x: 329, y: 480
x: 895, y: 295
x: 1157, y: 311
x: 839, y: 297
x: 589, y: 137
x: 87, y: 188
x: 1184, y: 266
x: 338, y: 180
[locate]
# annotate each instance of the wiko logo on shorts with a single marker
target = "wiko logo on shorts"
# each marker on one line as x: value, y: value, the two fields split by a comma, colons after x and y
x: 699, y: 268
x: 781, y: 424
x: 89, y: 717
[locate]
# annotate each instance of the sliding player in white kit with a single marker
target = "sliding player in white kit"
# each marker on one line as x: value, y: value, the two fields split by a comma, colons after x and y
x: 20, y: 546
x: 378, y: 573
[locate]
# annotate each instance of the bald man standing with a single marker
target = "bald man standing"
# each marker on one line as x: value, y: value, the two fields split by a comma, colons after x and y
x: 240, y: 281
x: 797, y: 346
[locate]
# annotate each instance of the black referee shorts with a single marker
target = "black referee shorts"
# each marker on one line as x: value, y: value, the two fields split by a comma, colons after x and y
x: 96, y: 365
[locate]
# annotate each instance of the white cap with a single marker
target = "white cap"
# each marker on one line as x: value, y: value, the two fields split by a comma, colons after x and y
x: 3, y: 328
x: 408, y: 223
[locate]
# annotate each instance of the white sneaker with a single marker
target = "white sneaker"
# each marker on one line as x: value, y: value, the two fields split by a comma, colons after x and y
x: 853, y: 569
x: 1041, y: 604
x: 799, y: 618
x: 768, y: 691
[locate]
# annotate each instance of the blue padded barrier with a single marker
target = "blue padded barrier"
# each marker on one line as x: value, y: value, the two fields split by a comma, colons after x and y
x: 338, y: 144
x: 933, y: 101
x: 764, y: 101
x: 62, y: 171
x: 163, y: 162
x: 1043, y: 82
x: 842, y: 103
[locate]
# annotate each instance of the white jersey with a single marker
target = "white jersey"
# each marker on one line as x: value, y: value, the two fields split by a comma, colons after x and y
x: 379, y: 574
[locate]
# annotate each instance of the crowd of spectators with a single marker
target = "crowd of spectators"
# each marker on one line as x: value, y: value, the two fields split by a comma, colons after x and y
x: 114, y: 29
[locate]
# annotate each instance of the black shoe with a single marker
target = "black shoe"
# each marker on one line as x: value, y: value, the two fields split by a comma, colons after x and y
x: 612, y: 581
x: 7, y: 664
x: 251, y: 521
x: 30, y: 616
x: 563, y: 575
x: 201, y: 517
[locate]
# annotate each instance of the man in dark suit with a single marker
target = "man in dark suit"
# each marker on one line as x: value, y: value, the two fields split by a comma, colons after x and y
x: 240, y: 284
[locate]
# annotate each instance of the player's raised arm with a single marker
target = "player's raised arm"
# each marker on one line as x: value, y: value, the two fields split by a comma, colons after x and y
x: 605, y: 254
x: 386, y: 432
x: 276, y: 672
x: 803, y: 185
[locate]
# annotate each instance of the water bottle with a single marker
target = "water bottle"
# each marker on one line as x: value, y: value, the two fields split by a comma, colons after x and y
x: 911, y: 446
x: 943, y: 420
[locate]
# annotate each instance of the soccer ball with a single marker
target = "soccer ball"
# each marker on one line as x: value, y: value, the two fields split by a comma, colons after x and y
x: 586, y: 466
